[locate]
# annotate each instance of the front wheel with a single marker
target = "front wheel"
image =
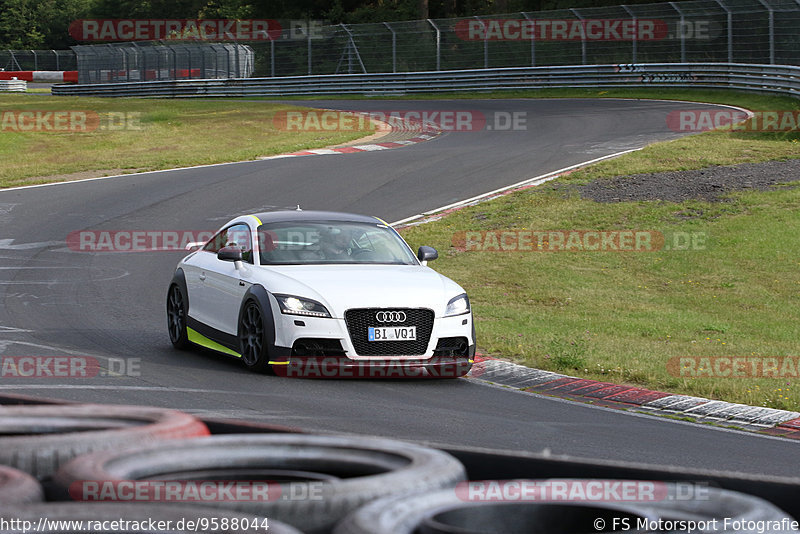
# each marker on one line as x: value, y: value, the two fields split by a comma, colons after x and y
x: 176, y: 318
x: 252, y: 338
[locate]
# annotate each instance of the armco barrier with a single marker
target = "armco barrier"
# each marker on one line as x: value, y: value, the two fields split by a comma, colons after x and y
x: 783, y: 79
x: 14, y: 86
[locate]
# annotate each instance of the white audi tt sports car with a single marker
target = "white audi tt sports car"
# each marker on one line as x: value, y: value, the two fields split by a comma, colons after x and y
x: 321, y: 294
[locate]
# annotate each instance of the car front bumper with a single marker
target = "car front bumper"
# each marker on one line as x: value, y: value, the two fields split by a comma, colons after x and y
x: 290, y: 329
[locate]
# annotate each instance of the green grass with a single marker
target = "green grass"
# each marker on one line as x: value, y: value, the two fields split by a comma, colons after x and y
x: 622, y: 316
x: 167, y: 133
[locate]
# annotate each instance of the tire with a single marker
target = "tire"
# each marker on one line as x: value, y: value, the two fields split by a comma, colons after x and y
x: 17, y: 487
x: 38, y: 439
x: 252, y: 337
x: 139, y: 512
x: 176, y: 317
x: 321, y: 478
x: 448, y: 511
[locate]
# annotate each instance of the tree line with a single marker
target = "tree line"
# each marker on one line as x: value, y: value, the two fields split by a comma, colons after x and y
x: 44, y: 24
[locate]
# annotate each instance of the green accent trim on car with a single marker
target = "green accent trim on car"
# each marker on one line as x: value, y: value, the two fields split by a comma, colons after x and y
x: 203, y: 341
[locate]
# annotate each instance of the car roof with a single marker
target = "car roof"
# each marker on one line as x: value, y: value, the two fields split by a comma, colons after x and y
x: 311, y: 215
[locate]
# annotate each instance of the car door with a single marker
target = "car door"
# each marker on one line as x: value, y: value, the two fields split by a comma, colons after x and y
x: 196, y: 270
x: 225, y: 284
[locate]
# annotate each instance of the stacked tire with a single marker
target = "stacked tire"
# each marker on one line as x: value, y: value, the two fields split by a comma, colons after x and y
x: 312, y: 484
x: 318, y: 480
x: 35, y: 441
x: 39, y: 439
x: 449, y: 512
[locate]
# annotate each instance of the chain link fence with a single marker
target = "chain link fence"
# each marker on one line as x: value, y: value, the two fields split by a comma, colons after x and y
x: 52, y: 60
x: 742, y: 31
x: 728, y: 31
x: 135, y: 62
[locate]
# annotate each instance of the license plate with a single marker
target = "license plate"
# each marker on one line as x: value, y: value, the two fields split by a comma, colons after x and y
x: 392, y: 333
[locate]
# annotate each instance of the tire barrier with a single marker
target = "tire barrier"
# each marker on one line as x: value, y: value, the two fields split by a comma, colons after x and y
x: 132, y: 518
x: 17, y: 487
x: 317, y: 480
x: 449, y: 511
x: 38, y: 439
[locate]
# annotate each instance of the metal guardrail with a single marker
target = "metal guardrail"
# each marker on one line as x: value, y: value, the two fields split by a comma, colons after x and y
x: 15, y: 86
x: 783, y: 79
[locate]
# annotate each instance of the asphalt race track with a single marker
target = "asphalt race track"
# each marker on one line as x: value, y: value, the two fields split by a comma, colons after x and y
x: 111, y: 305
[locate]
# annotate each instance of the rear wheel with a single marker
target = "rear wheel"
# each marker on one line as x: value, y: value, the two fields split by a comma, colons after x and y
x: 176, y: 317
x: 252, y: 338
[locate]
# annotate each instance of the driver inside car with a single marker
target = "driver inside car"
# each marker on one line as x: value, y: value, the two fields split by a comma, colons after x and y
x: 336, y: 244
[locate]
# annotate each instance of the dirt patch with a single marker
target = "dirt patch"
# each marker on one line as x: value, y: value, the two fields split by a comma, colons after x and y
x: 705, y: 184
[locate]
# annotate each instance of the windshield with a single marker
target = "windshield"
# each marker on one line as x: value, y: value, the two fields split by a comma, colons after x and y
x: 293, y: 243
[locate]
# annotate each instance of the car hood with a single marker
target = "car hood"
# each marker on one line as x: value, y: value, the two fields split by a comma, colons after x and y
x: 342, y: 287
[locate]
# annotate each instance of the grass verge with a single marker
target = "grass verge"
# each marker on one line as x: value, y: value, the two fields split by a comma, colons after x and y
x: 145, y: 134
x: 628, y: 317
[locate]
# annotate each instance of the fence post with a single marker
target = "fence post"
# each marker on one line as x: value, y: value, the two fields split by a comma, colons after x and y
x: 485, y: 43
x: 394, y: 46
x: 236, y: 51
x: 683, y: 31
x: 730, y: 30
x: 143, y: 67
x: 771, y: 31
x: 438, y: 45
x: 272, y: 56
x: 635, y: 51
x: 533, y: 38
x: 14, y: 61
x: 308, y: 39
x: 583, y: 36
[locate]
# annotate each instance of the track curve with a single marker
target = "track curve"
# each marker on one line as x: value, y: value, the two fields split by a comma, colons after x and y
x: 59, y: 302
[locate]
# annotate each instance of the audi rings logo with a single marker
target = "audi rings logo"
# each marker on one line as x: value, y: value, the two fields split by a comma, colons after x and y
x: 390, y: 317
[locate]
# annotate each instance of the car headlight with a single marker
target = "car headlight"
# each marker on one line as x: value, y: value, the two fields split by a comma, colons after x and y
x: 457, y: 306
x: 292, y: 305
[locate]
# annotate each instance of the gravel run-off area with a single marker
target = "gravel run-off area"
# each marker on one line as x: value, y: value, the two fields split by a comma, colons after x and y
x: 706, y: 184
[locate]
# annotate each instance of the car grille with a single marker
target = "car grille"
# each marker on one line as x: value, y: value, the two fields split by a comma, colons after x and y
x: 359, y: 320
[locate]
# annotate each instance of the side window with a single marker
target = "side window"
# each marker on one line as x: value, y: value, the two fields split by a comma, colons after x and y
x: 216, y: 242
x: 238, y: 236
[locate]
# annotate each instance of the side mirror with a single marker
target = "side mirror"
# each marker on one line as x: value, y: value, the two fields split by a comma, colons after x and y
x: 229, y: 254
x: 427, y: 254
